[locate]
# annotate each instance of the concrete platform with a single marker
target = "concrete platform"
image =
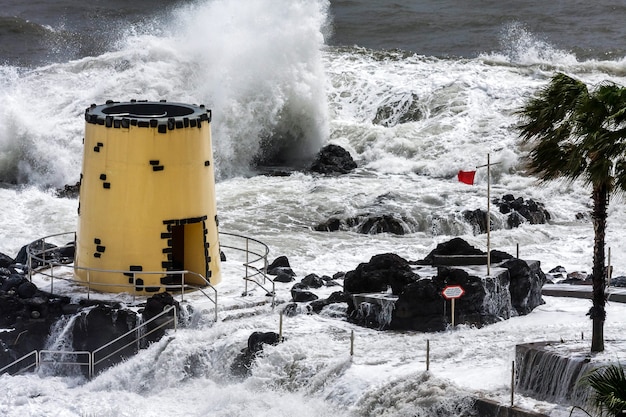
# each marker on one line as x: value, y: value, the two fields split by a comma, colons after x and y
x: 615, y: 294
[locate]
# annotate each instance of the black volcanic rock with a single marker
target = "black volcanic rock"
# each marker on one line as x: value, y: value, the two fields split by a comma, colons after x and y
x: 380, y: 273
x: 313, y: 281
x: 514, y: 288
x: 455, y: 246
x: 300, y: 293
x: 525, y: 285
x: 5, y: 260
x: 333, y: 159
x: 243, y: 362
x: 365, y: 223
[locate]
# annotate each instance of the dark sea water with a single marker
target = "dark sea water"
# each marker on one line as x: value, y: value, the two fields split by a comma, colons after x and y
x: 36, y: 32
x: 468, y: 28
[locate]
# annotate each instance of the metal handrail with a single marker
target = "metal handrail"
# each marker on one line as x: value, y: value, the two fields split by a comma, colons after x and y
x: 34, y: 364
x: 41, y: 361
x: 165, y: 311
x: 91, y: 356
x: 255, y: 267
x: 51, y: 263
x: 253, y: 271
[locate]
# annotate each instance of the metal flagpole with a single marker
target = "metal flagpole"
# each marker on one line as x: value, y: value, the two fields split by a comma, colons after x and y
x: 488, y: 165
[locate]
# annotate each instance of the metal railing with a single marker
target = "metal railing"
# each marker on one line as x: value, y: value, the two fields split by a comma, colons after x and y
x: 33, y: 363
x: 44, y: 257
x: 64, y: 358
x: 139, y: 337
x: 59, y: 358
x: 255, y: 262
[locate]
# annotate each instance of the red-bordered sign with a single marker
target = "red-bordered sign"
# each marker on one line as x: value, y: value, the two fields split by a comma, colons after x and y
x: 453, y: 291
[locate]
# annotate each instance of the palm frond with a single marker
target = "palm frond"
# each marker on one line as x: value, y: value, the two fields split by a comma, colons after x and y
x: 609, y: 388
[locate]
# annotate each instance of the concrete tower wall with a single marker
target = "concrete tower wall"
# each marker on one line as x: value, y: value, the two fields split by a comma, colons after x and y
x: 147, y: 197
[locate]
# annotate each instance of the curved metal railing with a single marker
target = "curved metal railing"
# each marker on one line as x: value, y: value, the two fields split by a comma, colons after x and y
x: 255, y: 262
x: 44, y: 257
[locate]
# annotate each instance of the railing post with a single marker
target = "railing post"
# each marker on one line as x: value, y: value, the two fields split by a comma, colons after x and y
x: 29, y: 263
x: 51, y: 278
x: 216, y: 306
x: 175, y: 319
x: 247, y: 257
x: 182, y: 286
x: 427, y: 354
x: 512, y: 383
x: 351, y: 344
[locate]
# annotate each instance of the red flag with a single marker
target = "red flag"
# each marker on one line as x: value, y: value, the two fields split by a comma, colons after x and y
x: 467, y: 177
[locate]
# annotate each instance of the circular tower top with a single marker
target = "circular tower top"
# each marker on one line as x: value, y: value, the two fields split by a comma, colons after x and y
x: 156, y: 114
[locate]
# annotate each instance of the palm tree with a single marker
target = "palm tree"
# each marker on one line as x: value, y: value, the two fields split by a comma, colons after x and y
x: 575, y: 133
x: 608, y: 384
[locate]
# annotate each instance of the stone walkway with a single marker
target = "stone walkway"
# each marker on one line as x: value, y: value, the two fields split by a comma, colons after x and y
x: 615, y: 294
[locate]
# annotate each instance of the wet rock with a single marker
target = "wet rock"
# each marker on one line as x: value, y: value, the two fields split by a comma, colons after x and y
x: 258, y: 339
x: 513, y: 289
x: 525, y: 285
x: 98, y: 326
x: 5, y: 260
x: 455, y: 246
x: 280, y: 262
x: 478, y: 219
x: 398, y: 109
x: 366, y: 224
x: 618, y: 281
x: 283, y: 275
x: 380, y: 273
x: 333, y: 159
x: 155, y: 306
x: 312, y: 281
x: 334, y: 298
x: 299, y: 294
x: 382, y: 224
x: 26, y: 289
x: 243, y: 361
x: 69, y: 191
x: 521, y: 211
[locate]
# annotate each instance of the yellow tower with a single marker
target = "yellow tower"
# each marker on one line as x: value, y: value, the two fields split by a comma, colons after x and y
x: 147, y: 208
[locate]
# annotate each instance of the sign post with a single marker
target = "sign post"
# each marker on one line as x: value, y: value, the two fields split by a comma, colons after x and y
x: 452, y: 292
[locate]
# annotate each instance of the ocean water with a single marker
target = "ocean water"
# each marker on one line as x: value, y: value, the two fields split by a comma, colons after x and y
x: 416, y: 91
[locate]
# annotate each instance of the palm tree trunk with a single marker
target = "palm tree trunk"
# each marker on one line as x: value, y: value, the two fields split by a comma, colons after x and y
x: 597, y: 312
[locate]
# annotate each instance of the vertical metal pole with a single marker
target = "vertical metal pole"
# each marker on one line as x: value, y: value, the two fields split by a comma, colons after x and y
x: 512, y: 383
x: 488, y: 219
x: 175, y: 318
x: 280, y: 327
x: 29, y: 262
x: 247, y: 257
x: 182, y: 286
x: 453, y: 312
x: 517, y: 251
x: 427, y: 354
x: 245, y: 292
x: 216, y: 306
x: 352, y: 344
